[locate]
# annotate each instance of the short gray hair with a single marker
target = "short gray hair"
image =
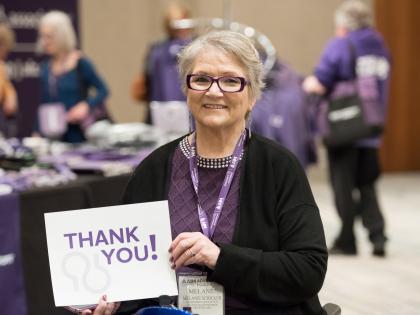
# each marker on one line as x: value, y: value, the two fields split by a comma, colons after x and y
x: 63, y: 28
x: 229, y: 42
x: 353, y: 15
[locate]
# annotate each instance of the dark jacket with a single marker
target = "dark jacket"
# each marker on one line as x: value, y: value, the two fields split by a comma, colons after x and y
x: 278, y: 257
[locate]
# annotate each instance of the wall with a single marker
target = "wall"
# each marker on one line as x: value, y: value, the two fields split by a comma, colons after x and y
x: 399, y: 22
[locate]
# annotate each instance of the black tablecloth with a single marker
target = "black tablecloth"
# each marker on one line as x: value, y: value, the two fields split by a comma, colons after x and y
x: 87, y: 192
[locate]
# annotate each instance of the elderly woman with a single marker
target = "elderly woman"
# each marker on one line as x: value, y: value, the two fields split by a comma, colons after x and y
x: 67, y: 76
x: 354, y: 167
x: 241, y: 208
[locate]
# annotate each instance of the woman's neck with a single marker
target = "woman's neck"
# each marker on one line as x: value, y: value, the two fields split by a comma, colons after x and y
x: 64, y: 61
x: 217, y: 143
x: 60, y: 57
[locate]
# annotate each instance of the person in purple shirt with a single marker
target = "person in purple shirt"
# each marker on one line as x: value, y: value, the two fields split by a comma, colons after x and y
x: 356, y: 166
x: 160, y: 77
x: 282, y: 113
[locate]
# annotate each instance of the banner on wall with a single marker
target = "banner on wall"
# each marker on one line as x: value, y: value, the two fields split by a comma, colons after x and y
x: 23, y: 63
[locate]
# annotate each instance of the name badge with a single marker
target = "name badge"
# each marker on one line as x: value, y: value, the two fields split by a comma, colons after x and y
x: 202, y: 296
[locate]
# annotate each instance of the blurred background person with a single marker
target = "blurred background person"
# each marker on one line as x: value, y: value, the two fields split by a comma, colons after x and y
x: 160, y: 79
x: 356, y: 166
x: 8, y: 98
x: 67, y: 75
x: 282, y: 113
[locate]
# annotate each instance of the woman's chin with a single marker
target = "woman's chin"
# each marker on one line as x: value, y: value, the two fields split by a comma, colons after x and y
x: 213, y: 122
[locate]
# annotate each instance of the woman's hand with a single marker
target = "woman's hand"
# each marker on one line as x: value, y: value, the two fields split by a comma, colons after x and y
x: 193, y: 248
x: 103, y: 308
x: 311, y: 85
x: 78, y: 112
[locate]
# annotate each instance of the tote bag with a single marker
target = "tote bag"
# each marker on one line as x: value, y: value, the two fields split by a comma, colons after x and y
x: 352, y: 111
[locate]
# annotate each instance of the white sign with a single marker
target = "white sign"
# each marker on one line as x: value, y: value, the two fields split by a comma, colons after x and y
x: 120, y: 251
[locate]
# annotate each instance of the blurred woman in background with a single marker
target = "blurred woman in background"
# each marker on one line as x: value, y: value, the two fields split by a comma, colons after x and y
x: 67, y: 75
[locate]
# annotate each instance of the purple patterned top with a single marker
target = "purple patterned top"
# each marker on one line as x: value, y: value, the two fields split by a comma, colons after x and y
x: 183, y: 200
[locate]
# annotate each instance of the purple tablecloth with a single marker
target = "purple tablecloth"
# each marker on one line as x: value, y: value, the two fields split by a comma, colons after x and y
x: 12, y: 293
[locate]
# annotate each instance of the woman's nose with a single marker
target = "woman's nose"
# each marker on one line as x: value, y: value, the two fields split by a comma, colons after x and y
x: 214, y: 90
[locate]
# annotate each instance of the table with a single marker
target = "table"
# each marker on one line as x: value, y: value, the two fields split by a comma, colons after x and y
x: 87, y: 192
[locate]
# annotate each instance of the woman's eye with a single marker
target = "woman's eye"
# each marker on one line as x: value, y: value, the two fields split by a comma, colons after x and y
x: 231, y: 81
x: 201, y: 80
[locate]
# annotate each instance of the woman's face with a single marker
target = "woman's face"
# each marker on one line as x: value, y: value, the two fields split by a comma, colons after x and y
x: 48, y: 38
x: 214, y: 108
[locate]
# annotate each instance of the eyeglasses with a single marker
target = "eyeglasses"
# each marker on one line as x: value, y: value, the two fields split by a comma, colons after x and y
x: 201, y: 82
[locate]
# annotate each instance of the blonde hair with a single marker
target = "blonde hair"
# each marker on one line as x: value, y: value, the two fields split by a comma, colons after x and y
x: 62, y: 28
x: 228, y: 42
x: 353, y: 15
x: 7, y: 37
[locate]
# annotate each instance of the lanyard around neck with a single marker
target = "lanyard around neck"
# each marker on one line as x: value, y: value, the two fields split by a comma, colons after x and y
x: 209, y: 228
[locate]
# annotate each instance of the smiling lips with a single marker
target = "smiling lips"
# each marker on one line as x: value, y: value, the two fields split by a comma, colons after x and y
x: 214, y: 106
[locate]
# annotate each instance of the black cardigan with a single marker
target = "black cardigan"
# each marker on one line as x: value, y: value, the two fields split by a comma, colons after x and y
x: 278, y: 257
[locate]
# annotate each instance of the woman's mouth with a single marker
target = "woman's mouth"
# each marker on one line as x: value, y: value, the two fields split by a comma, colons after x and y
x: 214, y: 106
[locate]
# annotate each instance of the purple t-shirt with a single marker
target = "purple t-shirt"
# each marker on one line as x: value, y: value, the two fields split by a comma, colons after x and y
x: 337, y: 64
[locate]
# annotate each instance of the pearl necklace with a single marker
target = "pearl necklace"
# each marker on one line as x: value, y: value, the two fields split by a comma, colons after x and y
x: 205, y: 162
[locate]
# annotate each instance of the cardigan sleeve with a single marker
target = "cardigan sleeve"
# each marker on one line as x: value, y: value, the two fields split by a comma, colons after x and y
x: 334, y: 63
x: 92, y: 79
x: 280, y: 256
x: 288, y: 276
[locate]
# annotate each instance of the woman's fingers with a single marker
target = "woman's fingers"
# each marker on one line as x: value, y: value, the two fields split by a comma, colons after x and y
x: 194, y: 255
x: 178, y: 239
x: 193, y: 248
x: 116, y: 306
x: 103, y: 308
x: 182, y: 243
x: 180, y: 260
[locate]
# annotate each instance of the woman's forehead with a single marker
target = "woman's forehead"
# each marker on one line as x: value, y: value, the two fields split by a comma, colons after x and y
x: 46, y: 28
x: 216, y: 60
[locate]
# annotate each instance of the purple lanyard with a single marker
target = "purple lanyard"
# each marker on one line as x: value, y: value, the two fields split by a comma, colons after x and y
x: 208, y: 229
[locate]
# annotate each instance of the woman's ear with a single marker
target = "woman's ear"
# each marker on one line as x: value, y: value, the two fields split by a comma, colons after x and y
x: 252, y: 104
